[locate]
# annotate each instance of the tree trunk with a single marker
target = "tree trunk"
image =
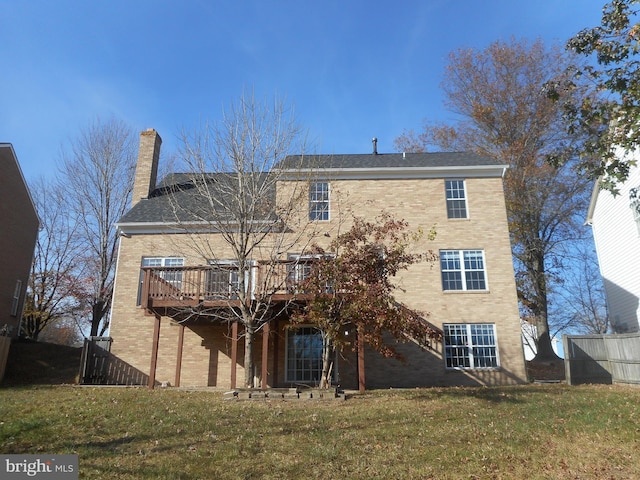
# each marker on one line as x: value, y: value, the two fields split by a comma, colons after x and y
x: 327, y: 362
x: 545, y: 349
x: 96, y: 317
x: 540, y: 309
x: 248, y: 355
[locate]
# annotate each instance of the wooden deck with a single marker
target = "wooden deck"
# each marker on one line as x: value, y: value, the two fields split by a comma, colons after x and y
x: 218, y: 286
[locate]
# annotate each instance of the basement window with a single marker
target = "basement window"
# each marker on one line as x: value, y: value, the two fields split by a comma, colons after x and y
x: 470, y: 346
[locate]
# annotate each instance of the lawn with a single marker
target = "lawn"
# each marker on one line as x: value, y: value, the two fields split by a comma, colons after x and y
x: 527, y: 432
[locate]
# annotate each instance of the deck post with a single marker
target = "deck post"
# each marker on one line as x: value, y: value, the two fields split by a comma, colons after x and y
x: 276, y: 349
x: 144, y: 295
x: 154, y: 351
x: 361, y: 383
x: 234, y: 353
x: 179, y: 359
x: 265, y: 354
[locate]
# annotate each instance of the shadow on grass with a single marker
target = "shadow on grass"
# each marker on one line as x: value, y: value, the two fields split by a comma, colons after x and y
x: 113, y: 443
x: 516, y: 394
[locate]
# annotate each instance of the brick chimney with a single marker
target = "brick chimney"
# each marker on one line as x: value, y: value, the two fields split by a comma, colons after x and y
x: 147, y: 168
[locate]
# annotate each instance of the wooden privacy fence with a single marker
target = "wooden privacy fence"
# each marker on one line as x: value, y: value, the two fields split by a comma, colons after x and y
x: 602, y: 358
x: 98, y: 366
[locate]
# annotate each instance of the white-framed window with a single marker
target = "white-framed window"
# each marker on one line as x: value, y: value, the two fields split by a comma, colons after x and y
x: 470, y: 345
x: 174, y: 277
x: 300, y: 270
x: 463, y: 270
x: 319, y: 201
x: 304, y: 355
x: 15, y: 300
x: 223, y: 280
x: 456, y: 197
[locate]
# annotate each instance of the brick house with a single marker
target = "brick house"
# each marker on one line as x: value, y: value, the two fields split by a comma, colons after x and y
x: 18, y: 236
x: 470, y: 294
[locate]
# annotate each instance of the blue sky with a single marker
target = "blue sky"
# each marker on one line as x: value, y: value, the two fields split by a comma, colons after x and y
x: 352, y: 69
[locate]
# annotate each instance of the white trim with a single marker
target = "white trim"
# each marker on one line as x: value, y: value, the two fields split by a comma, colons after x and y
x: 142, y: 228
x: 592, y: 202
x: 387, y: 173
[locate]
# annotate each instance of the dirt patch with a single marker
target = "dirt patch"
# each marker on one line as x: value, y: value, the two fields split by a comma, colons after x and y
x: 36, y: 363
x: 546, y: 371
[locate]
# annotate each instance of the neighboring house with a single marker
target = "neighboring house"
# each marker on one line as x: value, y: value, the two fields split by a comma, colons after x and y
x: 18, y: 233
x: 615, y: 222
x: 469, y: 294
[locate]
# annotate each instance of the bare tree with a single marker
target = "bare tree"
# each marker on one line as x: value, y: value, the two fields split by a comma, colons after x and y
x: 233, y: 170
x: 505, y: 114
x: 580, y: 303
x: 97, y: 179
x: 65, y: 331
x: 56, y: 289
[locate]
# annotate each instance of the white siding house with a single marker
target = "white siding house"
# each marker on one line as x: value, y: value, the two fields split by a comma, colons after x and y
x: 615, y: 221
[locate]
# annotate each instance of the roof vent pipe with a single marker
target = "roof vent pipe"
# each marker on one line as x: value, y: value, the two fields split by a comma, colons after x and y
x: 375, y: 145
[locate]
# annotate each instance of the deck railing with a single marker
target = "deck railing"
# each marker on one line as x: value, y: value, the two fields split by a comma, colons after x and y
x: 169, y: 286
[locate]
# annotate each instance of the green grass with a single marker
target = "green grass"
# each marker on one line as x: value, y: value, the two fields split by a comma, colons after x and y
x: 529, y: 432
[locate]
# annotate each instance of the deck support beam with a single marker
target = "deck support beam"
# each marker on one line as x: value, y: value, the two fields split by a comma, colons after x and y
x: 179, y: 358
x: 154, y: 352
x: 234, y: 354
x: 276, y: 350
x: 265, y: 355
x: 361, y: 382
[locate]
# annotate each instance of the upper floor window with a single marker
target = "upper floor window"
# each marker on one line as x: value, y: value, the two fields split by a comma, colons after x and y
x: 463, y: 270
x: 470, y: 345
x: 456, y: 198
x: 319, y: 201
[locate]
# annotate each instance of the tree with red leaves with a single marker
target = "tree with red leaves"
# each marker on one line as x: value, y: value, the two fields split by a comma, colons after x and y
x: 352, y: 284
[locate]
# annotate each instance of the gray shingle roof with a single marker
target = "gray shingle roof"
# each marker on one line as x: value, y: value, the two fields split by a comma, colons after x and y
x: 387, y: 160
x: 181, y: 198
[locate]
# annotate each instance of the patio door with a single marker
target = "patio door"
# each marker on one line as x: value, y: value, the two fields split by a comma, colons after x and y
x: 304, y: 355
